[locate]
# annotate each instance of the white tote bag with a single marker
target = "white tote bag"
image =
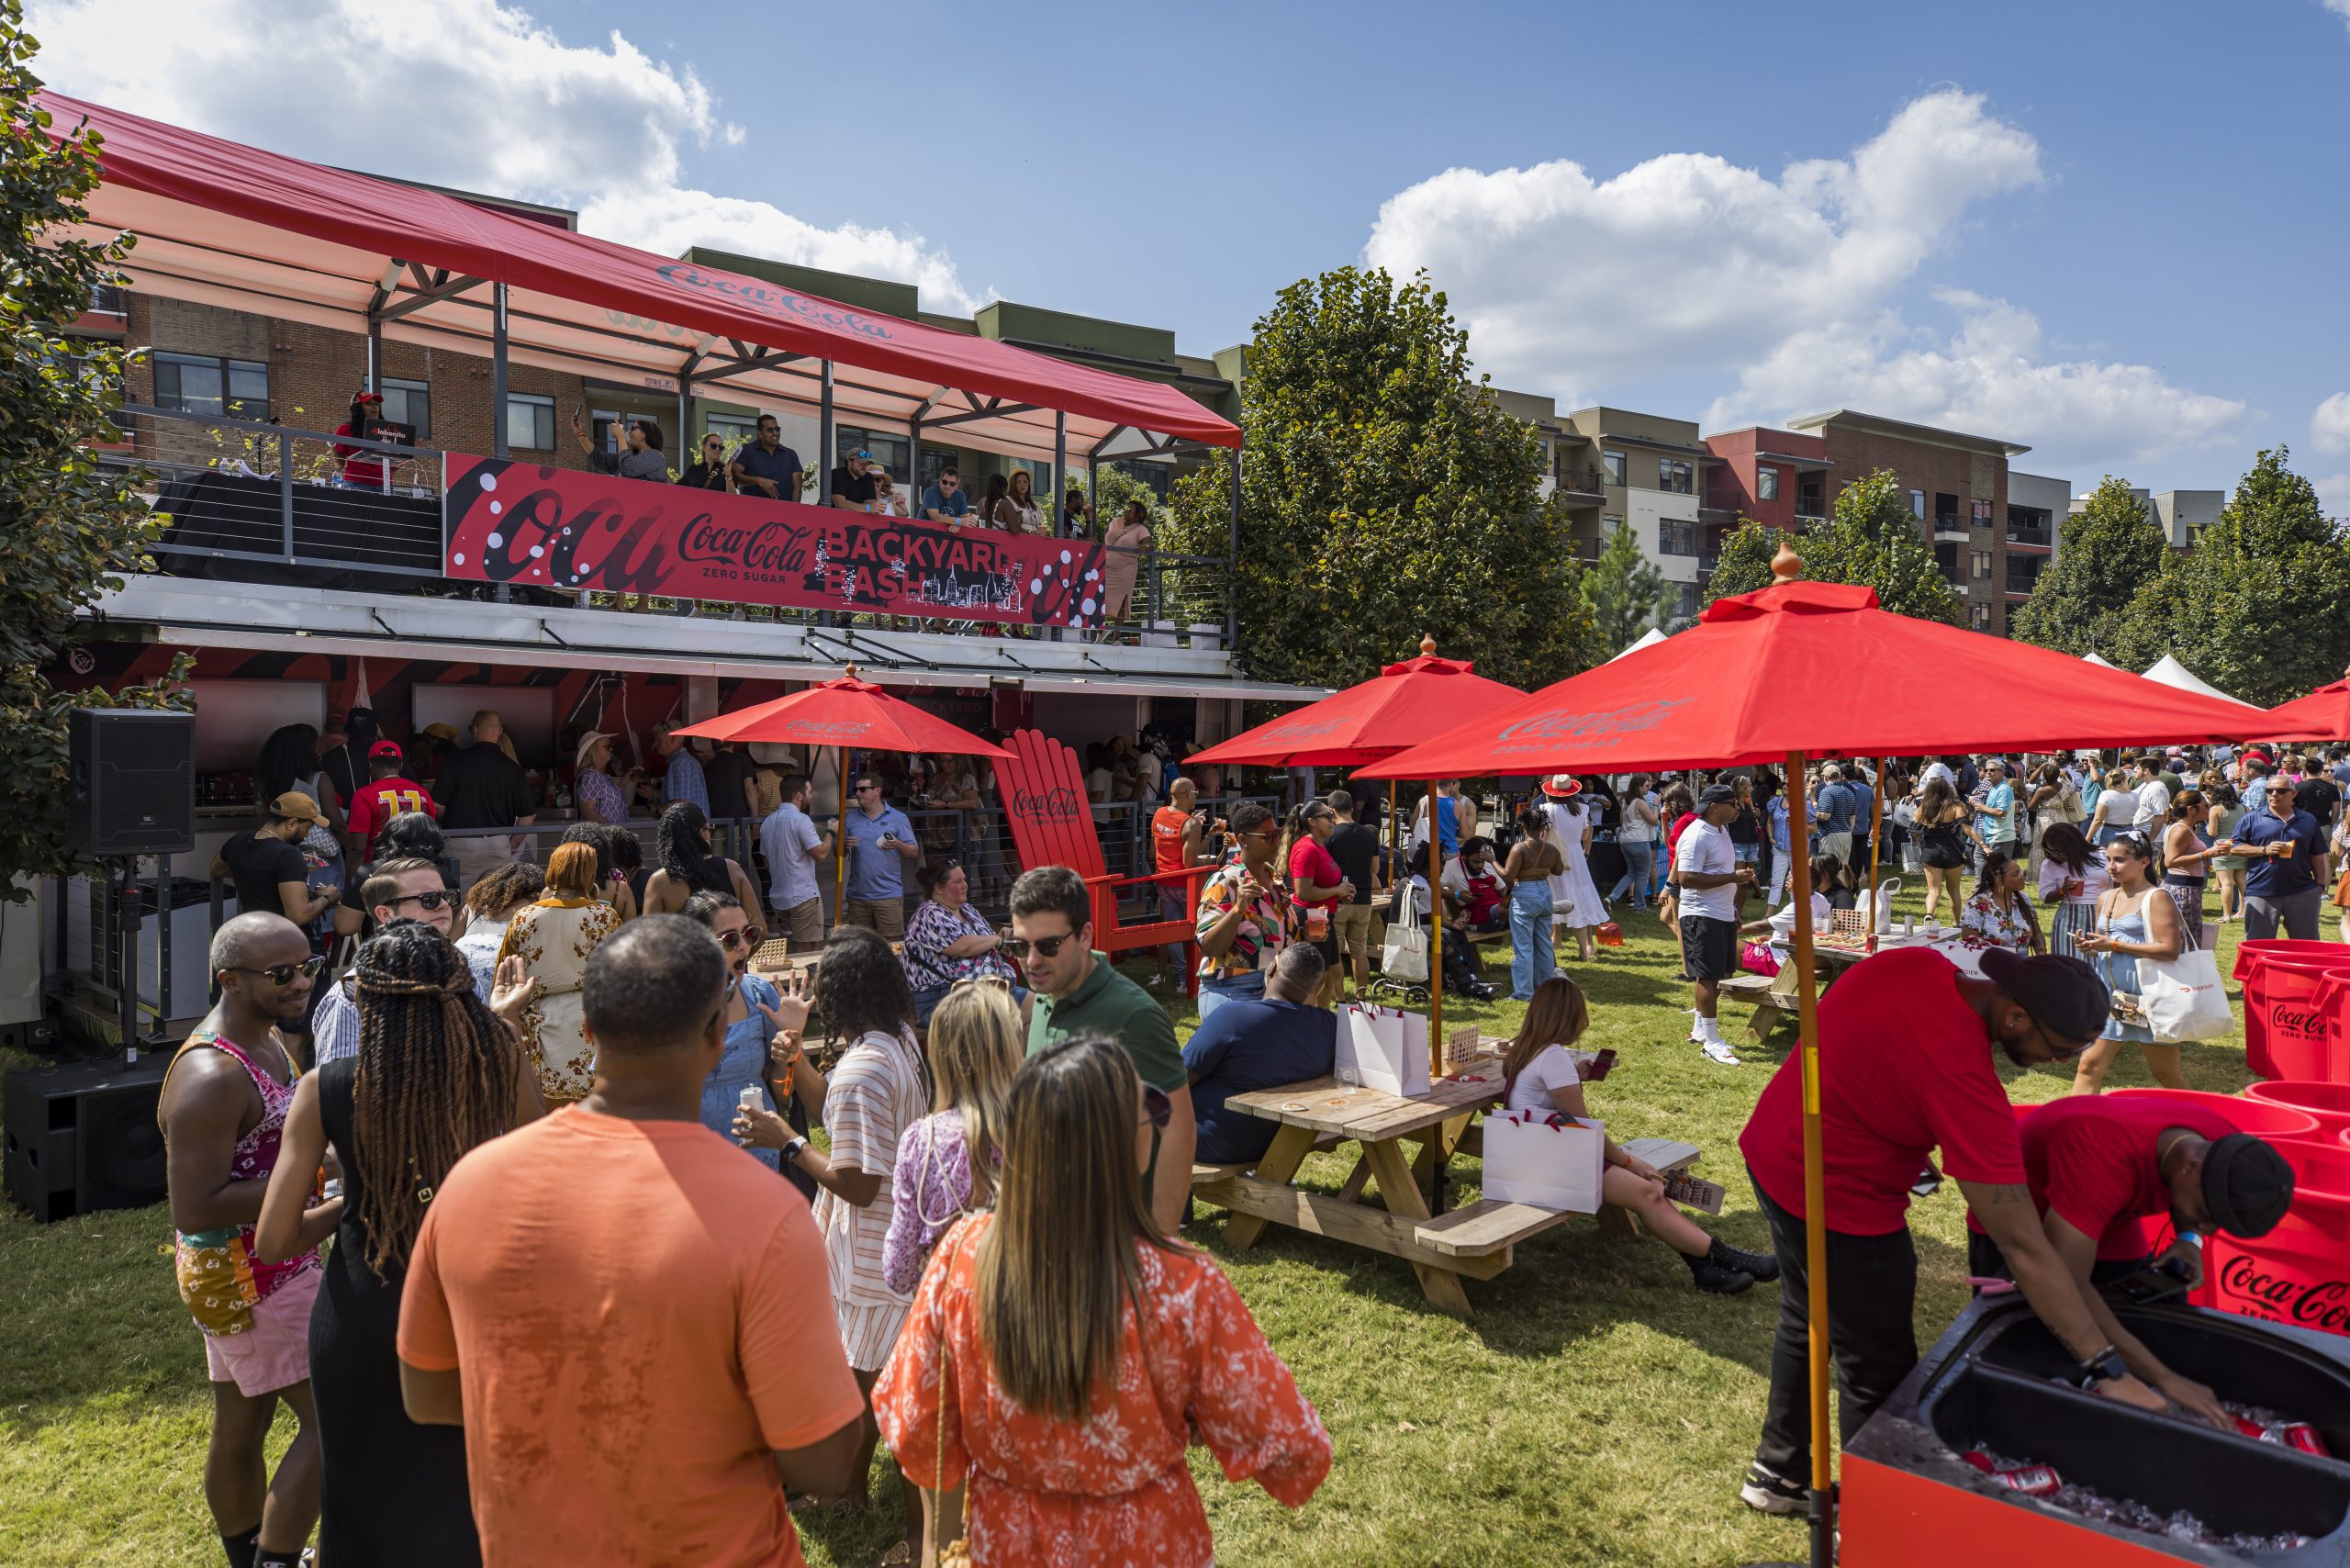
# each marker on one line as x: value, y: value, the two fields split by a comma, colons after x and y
x: 1405, y: 954
x: 2183, y: 999
x: 1383, y: 1047
x: 1544, y: 1159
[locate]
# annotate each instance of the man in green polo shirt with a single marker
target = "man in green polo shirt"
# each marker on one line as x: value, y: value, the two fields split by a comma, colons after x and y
x: 1077, y: 992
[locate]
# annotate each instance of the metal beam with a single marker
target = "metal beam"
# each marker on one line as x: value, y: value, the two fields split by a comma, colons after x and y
x: 993, y: 410
x: 441, y: 287
x: 1098, y: 447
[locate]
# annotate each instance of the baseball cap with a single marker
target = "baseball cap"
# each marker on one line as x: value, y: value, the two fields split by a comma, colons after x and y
x: 385, y: 748
x: 1717, y: 795
x: 2247, y: 1185
x: 2063, y: 995
x: 295, y: 807
x: 367, y: 398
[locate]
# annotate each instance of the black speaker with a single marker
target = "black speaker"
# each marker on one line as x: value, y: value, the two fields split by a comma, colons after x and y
x: 83, y: 1137
x: 133, y: 790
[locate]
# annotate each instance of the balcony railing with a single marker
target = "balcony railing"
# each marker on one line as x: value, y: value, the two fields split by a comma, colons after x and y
x: 2028, y: 534
x: 1587, y: 549
x: 260, y: 503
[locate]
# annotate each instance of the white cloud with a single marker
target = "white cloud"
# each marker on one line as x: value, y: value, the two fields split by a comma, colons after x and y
x: 464, y: 93
x: 1689, y: 265
x: 2333, y: 495
x: 2340, y: 8
x: 2330, y: 425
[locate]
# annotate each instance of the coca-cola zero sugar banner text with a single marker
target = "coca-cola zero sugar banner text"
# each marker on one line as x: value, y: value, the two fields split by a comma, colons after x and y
x: 520, y: 523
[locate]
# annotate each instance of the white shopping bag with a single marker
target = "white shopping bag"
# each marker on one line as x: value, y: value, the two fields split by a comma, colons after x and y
x: 1546, y: 1159
x: 2183, y: 999
x: 1383, y: 1047
x: 1404, y: 956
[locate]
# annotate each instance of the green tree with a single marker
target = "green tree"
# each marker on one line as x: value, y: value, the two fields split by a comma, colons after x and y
x: 1626, y: 591
x: 1384, y: 494
x: 1870, y: 538
x: 2260, y: 607
x: 2112, y: 548
x: 66, y: 525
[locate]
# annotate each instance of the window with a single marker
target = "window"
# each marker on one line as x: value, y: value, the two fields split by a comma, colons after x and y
x: 1979, y: 616
x: 1917, y: 505
x: 1677, y: 538
x: 1945, y: 511
x: 935, y: 460
x: 1766, y: 483
x: 1676, y: 476
x: 1982, y: 514
x: 223, y: 388
x: 409, y: 403
x: 1981, y: 560
x: 1615, y: 462
x: 736, y: 430
x: 894, y: 453
x: 530, y: 421
x: 1946, y: 557
x: 1156, y: 477
x: 1689, y: 605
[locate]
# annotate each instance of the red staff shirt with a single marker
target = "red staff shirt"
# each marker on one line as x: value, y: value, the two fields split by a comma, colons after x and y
x: 377, y: 803
x: 2094, y: 1161
x: 1904, y: 1066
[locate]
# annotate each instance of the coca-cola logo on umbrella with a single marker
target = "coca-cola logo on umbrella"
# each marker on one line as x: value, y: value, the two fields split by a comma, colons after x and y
x: 1302, y: 730
x: 1559, y: 724
x: 827, y: 730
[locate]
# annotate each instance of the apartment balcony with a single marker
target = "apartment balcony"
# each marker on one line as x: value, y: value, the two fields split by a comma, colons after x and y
x: 2030, y: 536
x: 108, y: 317
x: 1717, y: 517
x: 1586, y: 549
x: 1949, y: 525
x: 1579, y: 487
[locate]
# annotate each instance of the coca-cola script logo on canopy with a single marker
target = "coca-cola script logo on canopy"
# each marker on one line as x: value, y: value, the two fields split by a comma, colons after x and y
x: 2268, y: 1288
x: 1538, y: 731
x: 767, y: 300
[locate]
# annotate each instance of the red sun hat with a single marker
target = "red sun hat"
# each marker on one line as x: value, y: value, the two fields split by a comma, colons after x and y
x: 1561, y: 786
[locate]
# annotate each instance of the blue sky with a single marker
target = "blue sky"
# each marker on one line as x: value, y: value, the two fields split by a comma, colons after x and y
x: 2107, y: 231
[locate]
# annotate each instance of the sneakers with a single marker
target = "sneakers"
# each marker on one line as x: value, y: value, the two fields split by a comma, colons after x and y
x: 1696, y: 1027
x: 1715, y: 1280
x: 1720, y: 1051
x: 1762, y: 1265
x: 1772, y: 1493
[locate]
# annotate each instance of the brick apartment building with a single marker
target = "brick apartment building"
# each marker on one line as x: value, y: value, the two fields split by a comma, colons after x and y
x: 1772, y: 476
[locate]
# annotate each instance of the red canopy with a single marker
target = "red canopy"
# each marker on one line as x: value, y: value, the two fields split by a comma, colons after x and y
x: 1376, y: 719
x: 2322, y: 715
x: 1818, y: 667
x: 230, y: 225
x: 847, y: 712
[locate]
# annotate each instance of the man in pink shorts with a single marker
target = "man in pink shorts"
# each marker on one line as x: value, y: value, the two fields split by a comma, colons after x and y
x: 223, y: 1106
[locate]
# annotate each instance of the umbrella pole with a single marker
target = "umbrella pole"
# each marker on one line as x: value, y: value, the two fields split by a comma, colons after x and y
x: 1876, y: 841
x: 840, y: 850
x: 1436, y: 940
x: 1815, y: 1201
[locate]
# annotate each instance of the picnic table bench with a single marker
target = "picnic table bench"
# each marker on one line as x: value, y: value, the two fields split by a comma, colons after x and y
x: 1474, y: 1241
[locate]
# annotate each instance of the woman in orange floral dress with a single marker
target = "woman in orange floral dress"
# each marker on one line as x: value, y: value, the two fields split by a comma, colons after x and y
x: 553, y: 937
x: 1061, y: 1351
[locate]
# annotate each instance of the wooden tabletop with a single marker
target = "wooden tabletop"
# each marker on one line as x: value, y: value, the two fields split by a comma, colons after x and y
x: 1324, y: 1105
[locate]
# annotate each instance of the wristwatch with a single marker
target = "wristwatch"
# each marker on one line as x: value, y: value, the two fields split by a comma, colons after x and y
x: 2106, y: 1366
x: 792, y: 1151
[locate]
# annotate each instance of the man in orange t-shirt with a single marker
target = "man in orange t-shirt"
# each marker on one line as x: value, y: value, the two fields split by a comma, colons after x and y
x: 1177, y: 842
x: 614, y: 1303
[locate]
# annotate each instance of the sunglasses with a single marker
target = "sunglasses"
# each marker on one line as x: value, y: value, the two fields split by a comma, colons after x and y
x: 282, y: 974
x: 997, y: 981
x: 1044, y: 946
x: 747, y: 936
x: 433, y: 898
x: 1156, y: 1106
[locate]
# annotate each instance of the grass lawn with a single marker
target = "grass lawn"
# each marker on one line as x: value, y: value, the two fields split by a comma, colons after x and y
x: 1597, y: 1410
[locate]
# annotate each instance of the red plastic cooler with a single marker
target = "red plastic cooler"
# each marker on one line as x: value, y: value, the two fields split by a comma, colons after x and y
x: 2288, y: 1011
x: 2299, y: 1273
x: 2329, y: 1103
x: 2280, y: 1124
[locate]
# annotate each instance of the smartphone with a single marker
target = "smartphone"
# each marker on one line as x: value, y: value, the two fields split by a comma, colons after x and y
x: 2156, y: 1282
x: 1598, y: 1067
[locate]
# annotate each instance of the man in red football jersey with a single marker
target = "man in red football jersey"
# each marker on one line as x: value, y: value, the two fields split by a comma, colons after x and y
x: 388, y: 794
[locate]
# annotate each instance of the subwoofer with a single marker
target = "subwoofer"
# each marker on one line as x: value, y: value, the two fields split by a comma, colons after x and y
x: 82, y: 1136
x: 132, y: 790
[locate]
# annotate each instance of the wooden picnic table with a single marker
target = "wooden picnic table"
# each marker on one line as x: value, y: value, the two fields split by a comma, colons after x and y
x: 1475, y: 1241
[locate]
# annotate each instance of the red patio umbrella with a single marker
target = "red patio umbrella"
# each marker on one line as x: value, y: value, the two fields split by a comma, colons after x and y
x: 2322, y: 715
x: 1378, y: 718
x: 1799, y: 670
x: 846, y: 713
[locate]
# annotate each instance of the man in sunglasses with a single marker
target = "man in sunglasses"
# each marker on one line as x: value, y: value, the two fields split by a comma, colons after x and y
x: 766, y: 466
x: 945, y: 502
x: 2289, y: 863
x: 406, y: 889
x: 1908, y: 1063
x: 1076, y: 988
x: 224, y: 1099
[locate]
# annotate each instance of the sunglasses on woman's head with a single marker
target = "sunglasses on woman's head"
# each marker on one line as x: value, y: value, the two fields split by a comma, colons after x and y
x: 997, y: 981
x: 282, y: 974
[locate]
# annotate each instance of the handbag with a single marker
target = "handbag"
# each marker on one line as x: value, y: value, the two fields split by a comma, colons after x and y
x: 955, y: 1553
x: 1405, y: 955
x: 1382, y: 1047
x: 1756, y: 957
x: 1544, y: 1159
x: 1610, y: 935
x: 2182, y: 997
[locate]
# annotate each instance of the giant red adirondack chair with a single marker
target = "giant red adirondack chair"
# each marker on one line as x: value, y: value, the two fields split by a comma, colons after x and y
x: 1043, y: 792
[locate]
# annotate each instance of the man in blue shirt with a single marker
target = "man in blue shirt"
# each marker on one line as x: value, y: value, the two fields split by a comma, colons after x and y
x: 2287, y: 864
x: 766, y: 466
x: 945, y: 501
x: 880, y: 840
x: 794, y: 848
x: 1832, y: 808
x: 1997, y: 821
x: 1266, y: 1043
x: 684, y: 779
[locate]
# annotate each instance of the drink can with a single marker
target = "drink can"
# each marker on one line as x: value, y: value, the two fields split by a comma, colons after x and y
x: 2302, y: 1436
x: 2031, y: 1480
x: 752, y: 1098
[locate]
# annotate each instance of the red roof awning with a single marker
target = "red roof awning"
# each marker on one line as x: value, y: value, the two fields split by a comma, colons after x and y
x: 231, y: 225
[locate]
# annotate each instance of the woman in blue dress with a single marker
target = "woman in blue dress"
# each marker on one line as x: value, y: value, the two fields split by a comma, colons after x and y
x: 757, y: 1016
x: 2135, y: 919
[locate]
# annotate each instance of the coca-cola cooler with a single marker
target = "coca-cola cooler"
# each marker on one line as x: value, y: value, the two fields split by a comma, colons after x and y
x: 1994, y: 1384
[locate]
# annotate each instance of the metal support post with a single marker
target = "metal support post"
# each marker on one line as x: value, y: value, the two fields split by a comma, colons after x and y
x: 824, y: 462
x: 498, y: 445
x: 1057, y: 505
x: 1232, y: 569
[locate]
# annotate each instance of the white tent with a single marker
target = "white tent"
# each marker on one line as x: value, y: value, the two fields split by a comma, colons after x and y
x: 1649, y: 639
x: 2171, y: 673
x: 2093, y: 659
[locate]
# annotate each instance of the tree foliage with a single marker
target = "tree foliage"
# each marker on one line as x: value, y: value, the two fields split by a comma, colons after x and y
x: 1384, y: 494
x: 2112, y: 548
x: 2261, y: 607
x: 1870, y: 538
x: 1626, y: 593
x: 66, y: 525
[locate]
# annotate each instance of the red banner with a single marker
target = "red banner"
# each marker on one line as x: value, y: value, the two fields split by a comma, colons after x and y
x: 519, y: 522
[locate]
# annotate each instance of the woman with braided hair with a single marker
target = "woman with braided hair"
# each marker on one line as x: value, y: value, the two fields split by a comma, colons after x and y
x: 553, y: 937
x: 437, y: 1074
x: 688, y: 867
